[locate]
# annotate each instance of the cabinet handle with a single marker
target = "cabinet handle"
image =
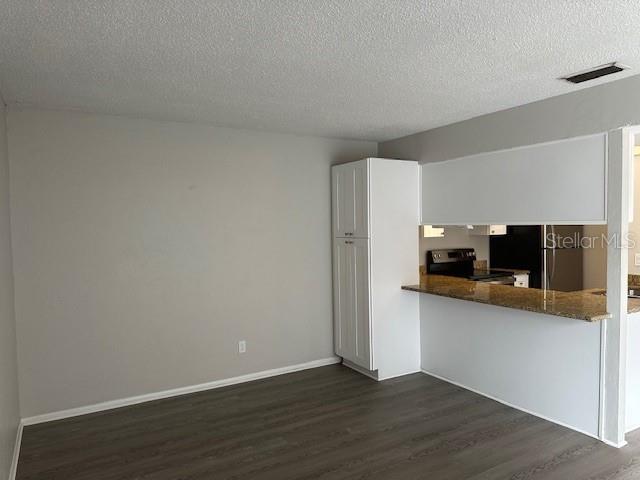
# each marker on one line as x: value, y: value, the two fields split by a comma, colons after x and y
x: 348, y: 241
x: 348, y: 234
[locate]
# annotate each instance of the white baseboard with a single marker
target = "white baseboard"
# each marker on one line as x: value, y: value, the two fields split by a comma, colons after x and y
x: 372, y: 374
x: 375, y: 374
x: 16, y: 453
x: 396, y: 375
x: 99, y: 407
x: 631, y: 428
x: 535, y: 414
x: 612, y: 444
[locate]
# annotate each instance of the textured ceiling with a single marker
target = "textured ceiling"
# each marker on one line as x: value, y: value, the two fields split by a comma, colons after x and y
x: 370, y: 69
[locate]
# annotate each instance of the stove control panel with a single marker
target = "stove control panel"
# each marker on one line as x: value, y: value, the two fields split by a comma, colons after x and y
x: 452, y: 255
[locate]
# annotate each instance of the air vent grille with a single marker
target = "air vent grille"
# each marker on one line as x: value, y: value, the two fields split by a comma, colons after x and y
x: 594, y: 73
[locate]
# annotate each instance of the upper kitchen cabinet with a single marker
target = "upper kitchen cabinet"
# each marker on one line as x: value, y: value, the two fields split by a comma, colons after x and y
x: 487, y: 230
x: 351, y: 199
x: 561, y: 182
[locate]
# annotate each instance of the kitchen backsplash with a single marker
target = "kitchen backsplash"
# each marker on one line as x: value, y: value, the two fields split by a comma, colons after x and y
x: 455, y: 237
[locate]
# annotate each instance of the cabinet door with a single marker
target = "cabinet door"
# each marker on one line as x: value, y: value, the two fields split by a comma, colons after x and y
x: 360, y: 309
x: 352, y: 325
x: 342, y: 200
x: 342, y: 299
x: 360, y: 202
x: 350, y: 200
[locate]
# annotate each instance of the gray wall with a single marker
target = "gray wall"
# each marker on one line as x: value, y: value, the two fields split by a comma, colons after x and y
x: 145, y: 250
x: 9, y: 413
x: 591, y: 110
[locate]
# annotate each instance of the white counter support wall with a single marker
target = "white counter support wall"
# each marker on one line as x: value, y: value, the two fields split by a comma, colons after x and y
x: 612, y: 415
x: 632, y: 406
x: 544, y: 365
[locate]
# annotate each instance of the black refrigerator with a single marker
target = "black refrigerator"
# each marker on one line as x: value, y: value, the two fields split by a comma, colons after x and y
x: 552, y: 254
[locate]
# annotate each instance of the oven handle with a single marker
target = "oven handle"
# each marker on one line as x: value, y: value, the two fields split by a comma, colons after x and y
x: 499, y: 281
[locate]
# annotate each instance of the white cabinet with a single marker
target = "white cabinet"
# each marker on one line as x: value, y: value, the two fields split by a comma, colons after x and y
x: 429, y: 231
x: 521, y: 280
x: 352, y: 322
x: 375, y: 251
x: 351, y: 200
x: 488, y: 230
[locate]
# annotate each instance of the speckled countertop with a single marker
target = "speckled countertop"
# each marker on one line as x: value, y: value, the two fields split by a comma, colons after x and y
x: 584, y: 305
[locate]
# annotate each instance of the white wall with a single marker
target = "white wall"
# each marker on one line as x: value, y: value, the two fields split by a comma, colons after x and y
x: 9, y: 413
x: 633, y: 373
x: 145, y: 250
x: 634, y: 226
x: 541, y: 363
x: 633, y: 326
x: 535, y: 184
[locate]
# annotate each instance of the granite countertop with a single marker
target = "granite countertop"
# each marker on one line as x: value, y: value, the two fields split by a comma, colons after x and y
x: 633, y: 304
x: 588, y: 305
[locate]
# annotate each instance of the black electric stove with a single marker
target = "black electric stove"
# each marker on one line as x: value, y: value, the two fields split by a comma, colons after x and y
x: 458, y: 262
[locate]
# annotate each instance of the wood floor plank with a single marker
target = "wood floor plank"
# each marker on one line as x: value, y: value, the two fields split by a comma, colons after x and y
x: 327, y: 423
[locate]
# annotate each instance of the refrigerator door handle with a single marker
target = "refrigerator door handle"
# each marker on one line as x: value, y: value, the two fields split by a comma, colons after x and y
x: 545, y: 270
x: 548, y: 264
x: 545, y: 263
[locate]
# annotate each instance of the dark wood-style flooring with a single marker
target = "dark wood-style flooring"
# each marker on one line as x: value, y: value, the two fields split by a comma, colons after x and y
x: 325, y: 423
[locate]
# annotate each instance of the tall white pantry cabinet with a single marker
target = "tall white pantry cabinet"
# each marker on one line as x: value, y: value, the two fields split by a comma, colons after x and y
x: 375, y: 209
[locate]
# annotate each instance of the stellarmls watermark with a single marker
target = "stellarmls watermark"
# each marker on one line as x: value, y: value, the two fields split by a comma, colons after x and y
x: 578, y: 240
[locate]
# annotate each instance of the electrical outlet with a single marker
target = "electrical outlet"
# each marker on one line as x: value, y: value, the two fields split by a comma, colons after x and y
x: 242, y: 346
x: 637, y: 259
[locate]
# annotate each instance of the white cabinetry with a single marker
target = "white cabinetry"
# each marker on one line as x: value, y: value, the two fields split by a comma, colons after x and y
x: 351, y: 200
x: 351, y: 303
x: 488, y: 230
x: 375, y: 205
x: 521, y: 280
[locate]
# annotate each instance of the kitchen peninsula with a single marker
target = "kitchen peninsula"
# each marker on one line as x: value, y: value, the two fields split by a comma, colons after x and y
x: 588, y: 305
